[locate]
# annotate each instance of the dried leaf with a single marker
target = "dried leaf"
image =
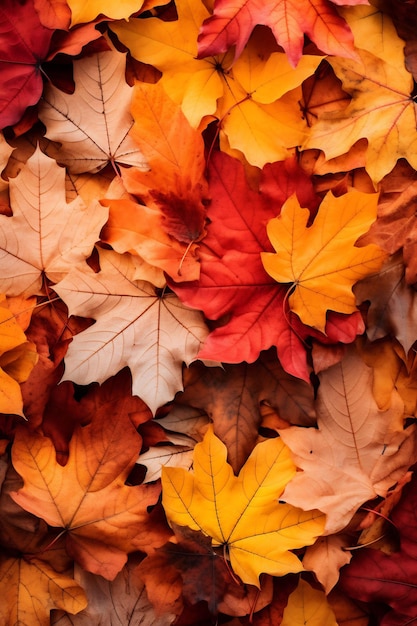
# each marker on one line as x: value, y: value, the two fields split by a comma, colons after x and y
x: 357, y: 452
x: 102, y: 517
x: 32, y: 588
x: 93, y: 123
x: 242, y: 513
x: 152, y: 333
x: 57, y: 235
x: 322, y: 262
x: 307, y: 607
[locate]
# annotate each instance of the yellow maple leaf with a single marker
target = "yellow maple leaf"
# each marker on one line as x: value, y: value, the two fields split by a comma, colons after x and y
x: 30, y: 589
x: 382, y: 110
x: 259, y: 110
x: 256, y: 101
x: 83, y: 11
x: 17, y: 359
x: 307, y: 607
x: 322, y: 262
x: 172, y: 48
x: 242, y: 513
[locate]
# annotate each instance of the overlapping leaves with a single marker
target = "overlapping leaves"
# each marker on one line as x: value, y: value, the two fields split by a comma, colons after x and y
x: 165, y: 227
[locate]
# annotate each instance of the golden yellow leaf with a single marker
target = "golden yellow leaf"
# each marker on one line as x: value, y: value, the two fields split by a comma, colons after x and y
x: 259, y: 109
x: 382, y: 110
x: 30, y: 589
x: 242, y: 513
x: 322, y: 262
x: 83, y: 11
x: 172, y: 48
x: 308, y: 607
x: 245, y: 98
x: 17, y: 359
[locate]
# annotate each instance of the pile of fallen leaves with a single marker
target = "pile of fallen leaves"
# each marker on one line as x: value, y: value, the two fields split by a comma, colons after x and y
x: 208, y: 320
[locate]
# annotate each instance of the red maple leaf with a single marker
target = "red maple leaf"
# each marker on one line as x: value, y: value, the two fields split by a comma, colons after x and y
x: 232, y: 23
x: 373, y: 576
x: 25, y: 44
x: 234, y: 289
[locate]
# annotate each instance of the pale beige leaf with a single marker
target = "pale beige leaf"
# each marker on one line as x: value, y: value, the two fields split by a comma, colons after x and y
x: 186, y: 419
x: 93, y: 123
x: 136, y: 326
x: 45, y: 235
x: 158, y: 457
x: 357, y: 452
x: 326, y: 557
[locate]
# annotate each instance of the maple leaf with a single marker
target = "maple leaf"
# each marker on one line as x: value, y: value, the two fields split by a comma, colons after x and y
x: 381, y: 111
x: 396, y: 226
x: 93, y: 123
x: 357, y: 452
x: 373, y: 576
x: 232, y: 397
x: 32, y: 588
x: 57, y: 235
x: 247, y: 99
x: 322, y: 261
x: 175, y: 153
x: 172, y: 48
x: 88, y: 11
x: 164, y: 231
x: 153, y: 334
x: 233, y: 283
x: 242, y: 513
x: 233, y: 286
x: 259, y: 111
x: 24, y: 39
x: 392, y: 303
x: 113, y: 602
x: 17, y: 359
x: 102, y: 517
x: 307, y: 607
x: 53, y: 13
x: 232, y: 23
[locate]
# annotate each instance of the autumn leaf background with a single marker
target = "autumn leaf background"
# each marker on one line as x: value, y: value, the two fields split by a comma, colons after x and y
x: 208, y: 333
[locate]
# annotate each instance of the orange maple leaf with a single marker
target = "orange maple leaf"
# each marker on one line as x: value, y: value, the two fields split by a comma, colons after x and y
x: 30, y: 589
x: 103, y: 518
